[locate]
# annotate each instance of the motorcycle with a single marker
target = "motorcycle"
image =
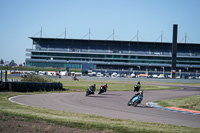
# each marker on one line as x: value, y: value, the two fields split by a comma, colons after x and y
x: 103, y: 89
x: 137, y: 99
x: 90, y: 91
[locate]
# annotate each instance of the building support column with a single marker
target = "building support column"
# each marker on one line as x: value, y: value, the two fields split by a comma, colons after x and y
x: 174, y: 51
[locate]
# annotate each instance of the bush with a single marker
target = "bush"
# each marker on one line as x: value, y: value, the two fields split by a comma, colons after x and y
x: 36, y: 78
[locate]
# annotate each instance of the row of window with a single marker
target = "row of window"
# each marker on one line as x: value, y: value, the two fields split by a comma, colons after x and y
x: 109, y: 56
x: 97, y: 56
x: 121, y: 61
x: 117, y: 58
x: 57, y: 65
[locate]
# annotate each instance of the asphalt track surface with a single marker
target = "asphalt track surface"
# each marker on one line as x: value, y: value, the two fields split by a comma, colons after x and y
x: 114, y: 104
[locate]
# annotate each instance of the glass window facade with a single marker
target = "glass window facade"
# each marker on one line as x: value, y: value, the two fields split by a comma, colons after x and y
x: 72, y: 53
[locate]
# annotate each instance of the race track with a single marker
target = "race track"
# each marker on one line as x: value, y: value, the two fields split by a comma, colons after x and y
x: 114, y: 104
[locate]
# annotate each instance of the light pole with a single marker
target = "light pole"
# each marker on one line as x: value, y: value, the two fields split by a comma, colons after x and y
x: 163, y: 70
x: 138, y: 67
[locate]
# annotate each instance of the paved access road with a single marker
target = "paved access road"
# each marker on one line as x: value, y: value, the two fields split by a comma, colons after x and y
x: 114, y: 104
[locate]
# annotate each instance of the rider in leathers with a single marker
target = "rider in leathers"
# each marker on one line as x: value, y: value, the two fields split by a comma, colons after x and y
x: 92, y: 88
x: 137, y: 88
x: 105, y: 86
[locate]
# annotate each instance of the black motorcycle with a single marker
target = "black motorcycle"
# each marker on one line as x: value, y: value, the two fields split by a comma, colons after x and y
x: 103, y: 89
x: 90, y: 90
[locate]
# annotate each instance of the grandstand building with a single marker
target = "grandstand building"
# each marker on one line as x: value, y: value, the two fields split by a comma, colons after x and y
x: 112, y: 55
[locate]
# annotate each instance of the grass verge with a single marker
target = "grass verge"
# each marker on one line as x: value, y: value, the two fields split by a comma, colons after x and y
x: 112, y: 85
x: 192, y: 102
x: 84, y: 121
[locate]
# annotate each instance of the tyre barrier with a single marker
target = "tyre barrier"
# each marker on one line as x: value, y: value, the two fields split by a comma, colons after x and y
x: 31, y: 86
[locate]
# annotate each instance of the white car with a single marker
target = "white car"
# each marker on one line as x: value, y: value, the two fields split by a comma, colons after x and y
x: 155, y: 76
x: 99, y: 75
x: 114, y: 75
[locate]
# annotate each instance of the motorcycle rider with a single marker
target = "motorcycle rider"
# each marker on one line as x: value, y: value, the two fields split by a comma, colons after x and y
x: 104, y: 87
x: 139, y: 93
x: 137, y: 86
x: 92, y: 88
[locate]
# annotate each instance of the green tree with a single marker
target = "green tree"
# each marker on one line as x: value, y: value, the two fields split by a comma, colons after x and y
x: 12, y: 63
x: 1, y: 62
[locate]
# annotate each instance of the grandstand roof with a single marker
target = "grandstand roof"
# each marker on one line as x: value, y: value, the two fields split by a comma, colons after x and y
x: 111, y: 41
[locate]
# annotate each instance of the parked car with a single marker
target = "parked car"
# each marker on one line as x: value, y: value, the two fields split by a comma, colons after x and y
x: 161, y: 76
x: 155, y: 76
x: 99, y: 74
x: 114, y: 75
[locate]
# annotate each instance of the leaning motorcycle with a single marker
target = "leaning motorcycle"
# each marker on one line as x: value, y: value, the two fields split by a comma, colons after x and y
x: 102, y: 89
x: 135, y: 101
x: 89, y: 92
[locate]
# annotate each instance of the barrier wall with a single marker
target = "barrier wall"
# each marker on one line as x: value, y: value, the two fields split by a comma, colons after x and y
x: 30, y: 86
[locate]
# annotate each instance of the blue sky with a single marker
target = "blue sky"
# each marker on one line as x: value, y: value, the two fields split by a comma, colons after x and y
x: 20, y: 19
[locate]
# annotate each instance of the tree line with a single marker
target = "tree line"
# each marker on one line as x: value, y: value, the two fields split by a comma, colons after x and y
x: 11, y: 63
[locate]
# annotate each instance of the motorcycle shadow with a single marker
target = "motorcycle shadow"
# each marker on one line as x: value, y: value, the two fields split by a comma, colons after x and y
x: 109, y: 94
x: 97, y: 96
x: 143, y: 106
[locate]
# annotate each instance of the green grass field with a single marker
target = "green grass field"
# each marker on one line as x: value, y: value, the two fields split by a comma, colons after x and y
x: 84, y: 121
x: 192, y: 102
x: 112, y: 85
x: 104, y: 124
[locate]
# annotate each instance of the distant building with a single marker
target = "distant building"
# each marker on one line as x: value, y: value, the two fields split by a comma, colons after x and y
x: 6, y: 63
x: 112, y: 55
